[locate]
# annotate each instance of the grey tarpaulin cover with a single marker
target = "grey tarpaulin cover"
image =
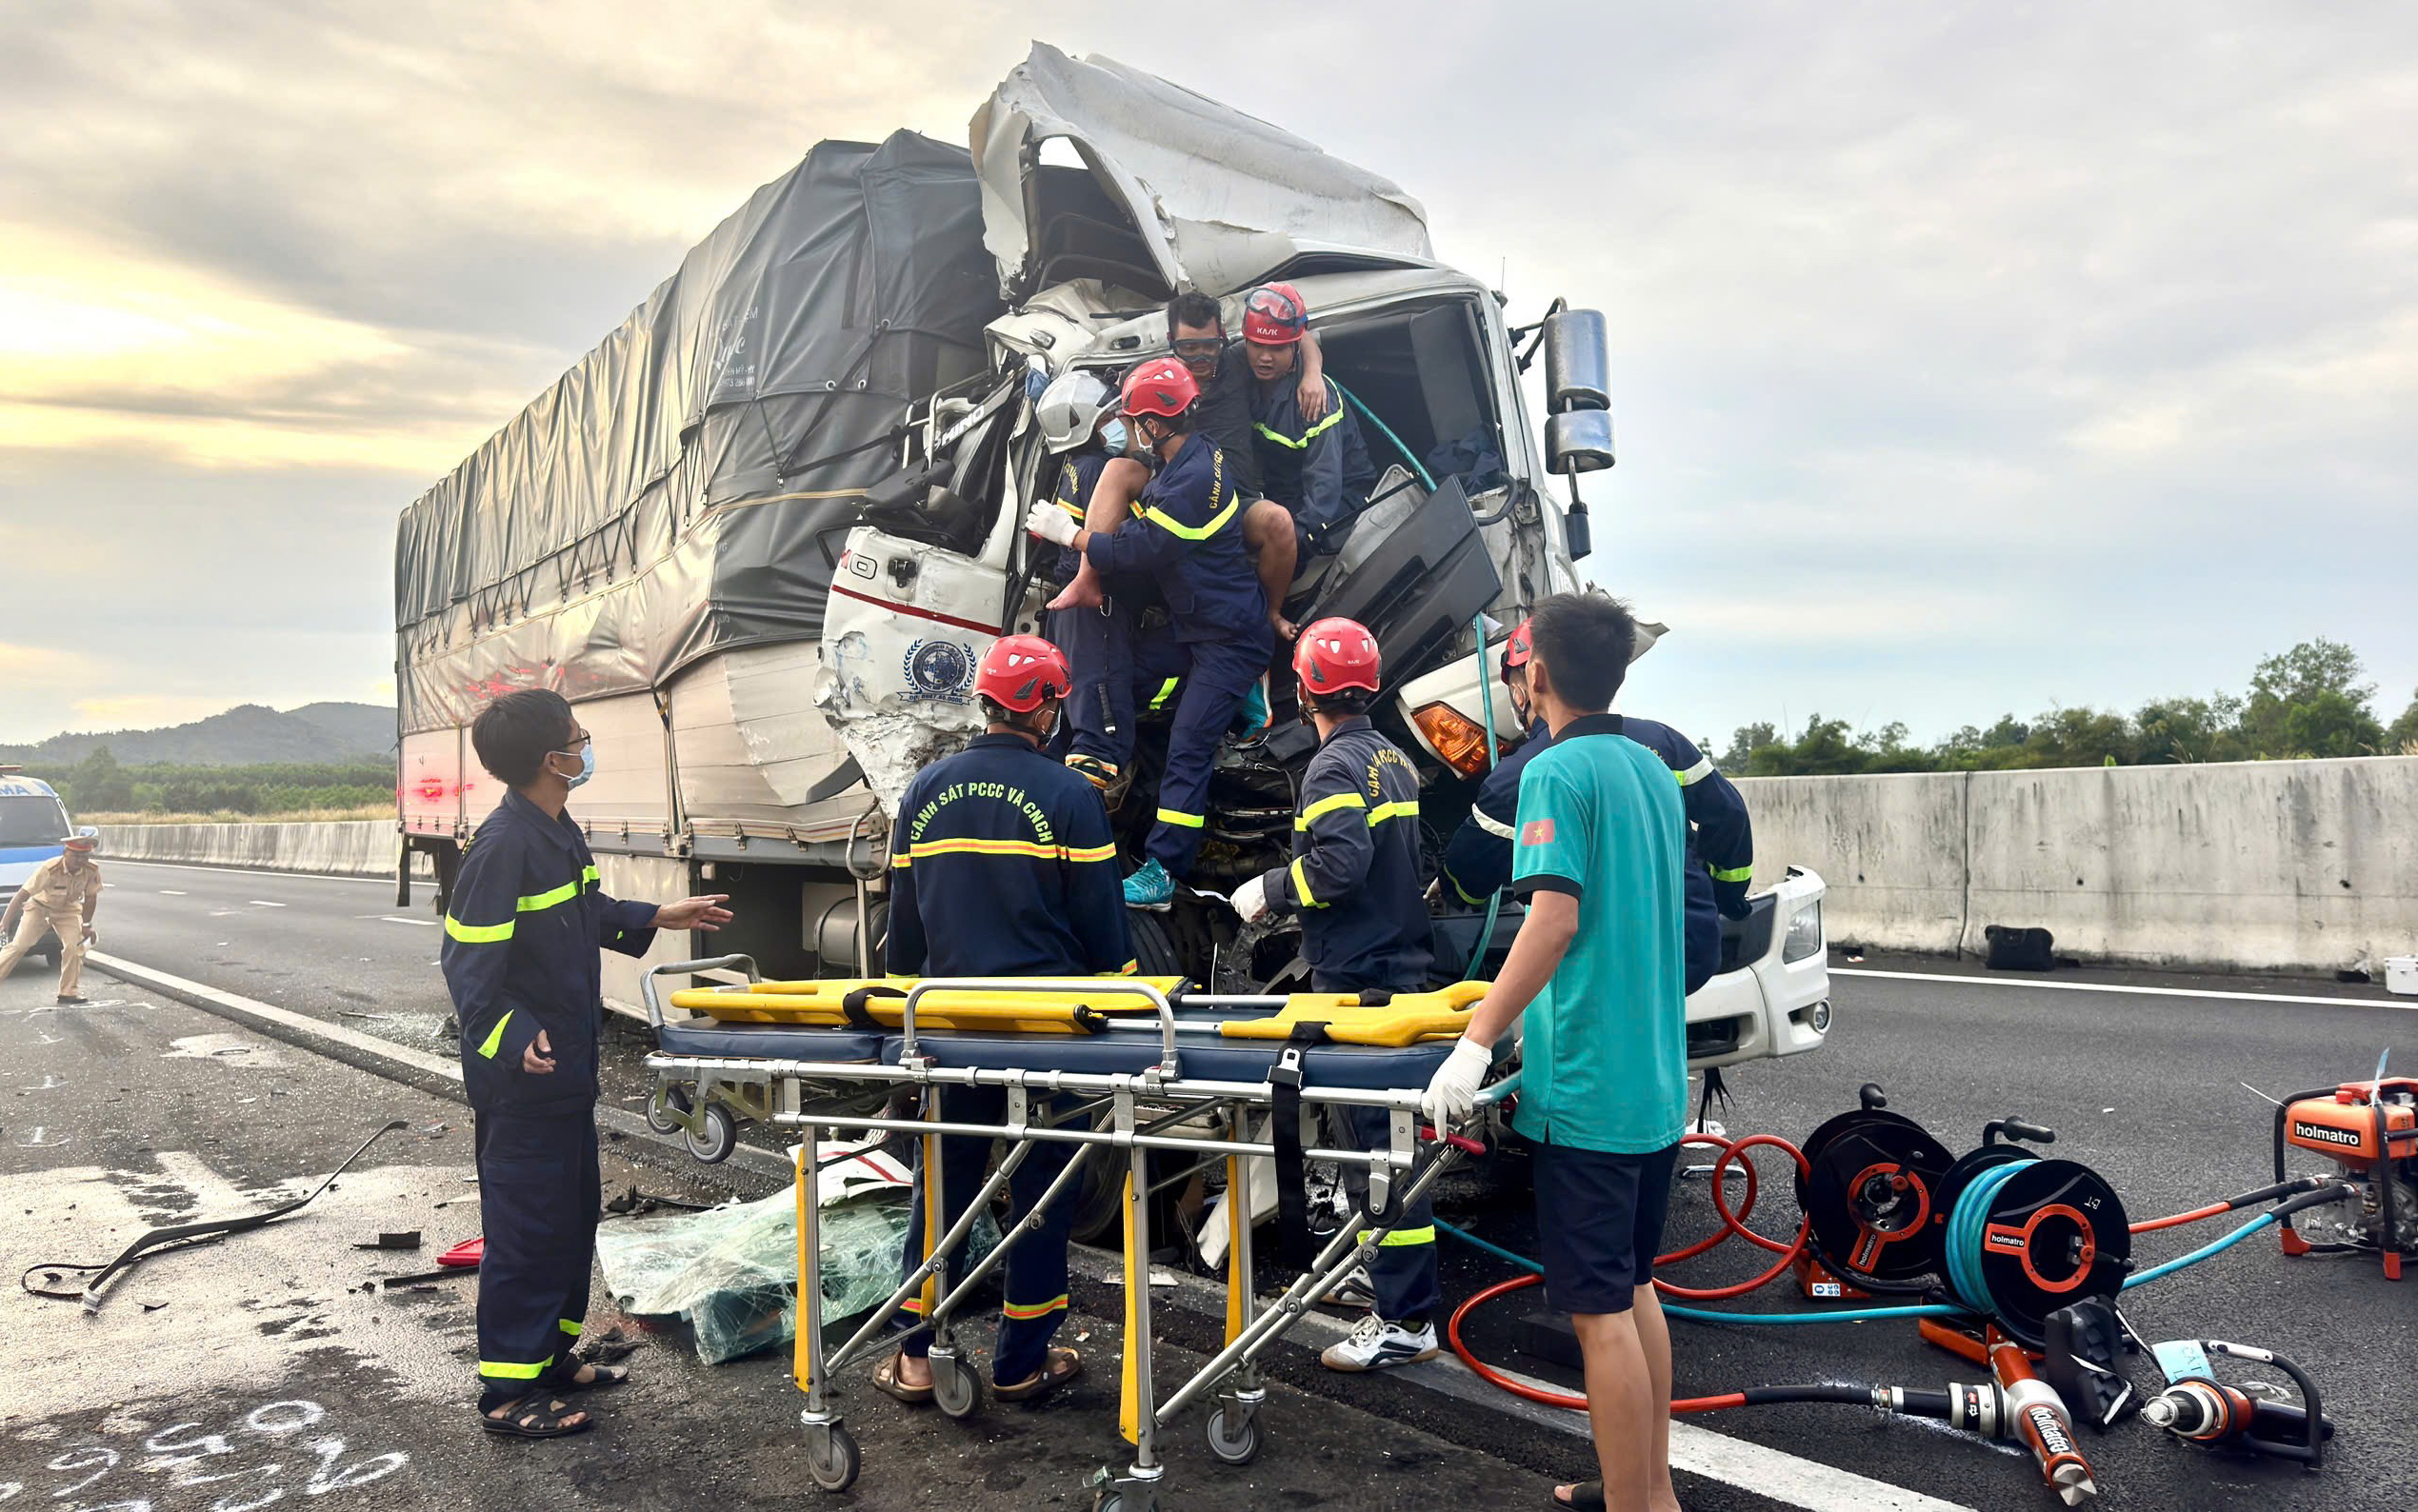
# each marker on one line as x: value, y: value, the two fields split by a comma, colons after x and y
x: 667, y: 495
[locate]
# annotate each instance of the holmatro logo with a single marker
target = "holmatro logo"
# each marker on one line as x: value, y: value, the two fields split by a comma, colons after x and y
x: 2328, y: 1134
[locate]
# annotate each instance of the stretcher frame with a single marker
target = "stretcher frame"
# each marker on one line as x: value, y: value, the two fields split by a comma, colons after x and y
x: 1156, y: 1110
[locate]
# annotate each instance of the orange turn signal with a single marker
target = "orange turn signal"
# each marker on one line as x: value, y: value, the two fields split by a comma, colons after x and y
x: 1456, y: 738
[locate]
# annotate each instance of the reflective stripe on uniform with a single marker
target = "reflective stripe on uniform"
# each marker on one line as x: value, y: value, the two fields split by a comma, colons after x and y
x: 495, y: 1036
x: 1303, y: 445
x: 1401, y: 1238
x: 477, y: 933
x: 498, y: 1370
x: 1032, y: 849
x: 902, y: 859
x: 548, y: 898
x: 1328, y: 806
x: 1106, y: 852
x: 1696, y: 773
x: 1405, y: 808
x: 1041, y: 1309
x: 1128, y: 968
x: 571, y: 1328
x: 1301, y: 886
x: 1463, y: 891
x: 1176, y: 816
x: 1743, y: 873
x: 1188, y: 532
x: 1492, y: 825
x: 1166, y: 691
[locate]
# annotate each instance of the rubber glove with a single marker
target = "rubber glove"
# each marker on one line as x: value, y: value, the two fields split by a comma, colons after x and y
x: 1251, y: 900
x: 1453, y: 1091
x: 1051, y: 523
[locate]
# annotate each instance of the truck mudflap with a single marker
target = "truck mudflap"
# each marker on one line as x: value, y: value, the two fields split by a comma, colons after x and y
x: 899, y: 653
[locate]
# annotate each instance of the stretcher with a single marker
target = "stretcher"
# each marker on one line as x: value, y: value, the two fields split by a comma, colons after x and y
x: 1139, y: 1071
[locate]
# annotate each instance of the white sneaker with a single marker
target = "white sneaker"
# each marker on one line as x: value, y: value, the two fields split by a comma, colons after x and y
x: 1355, y: 1290
x: 1376, y: 1345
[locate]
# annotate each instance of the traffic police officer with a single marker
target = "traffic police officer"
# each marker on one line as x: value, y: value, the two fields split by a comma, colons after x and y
x: 1317, y: 466
x: 61, y: 897
x: 1002, y: 865
x: 1354, y: 881
x: 1186, y: 533
x: 1477, y: 860
x: 522, y: 931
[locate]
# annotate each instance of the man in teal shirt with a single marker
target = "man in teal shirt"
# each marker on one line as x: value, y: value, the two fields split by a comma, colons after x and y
x: 1602, y: 841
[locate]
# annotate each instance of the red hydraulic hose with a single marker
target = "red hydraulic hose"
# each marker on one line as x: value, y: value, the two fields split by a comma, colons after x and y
x: 1539, y: 1394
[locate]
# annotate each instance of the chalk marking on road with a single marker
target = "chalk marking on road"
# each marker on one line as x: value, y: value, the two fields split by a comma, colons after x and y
x: 258, y: 871
x: 2118, y: 986
x: 263, y: 902
x: 253, y: 1009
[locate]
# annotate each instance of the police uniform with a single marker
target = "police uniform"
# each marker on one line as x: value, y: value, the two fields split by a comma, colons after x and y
x: 520, y: 955
x: 1321, y: 473
x: 1002, y: 865
x: 1121, y: 669
x: 1354, y: 881
x: 1187, y: 534
x: 53, y: 900
x: 1477, y: 860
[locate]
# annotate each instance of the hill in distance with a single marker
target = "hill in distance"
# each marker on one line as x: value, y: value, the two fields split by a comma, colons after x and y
x: 246, y: 735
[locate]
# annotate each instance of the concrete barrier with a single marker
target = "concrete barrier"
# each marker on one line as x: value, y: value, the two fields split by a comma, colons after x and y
x: 2307, y: 866
x: 355, y: 847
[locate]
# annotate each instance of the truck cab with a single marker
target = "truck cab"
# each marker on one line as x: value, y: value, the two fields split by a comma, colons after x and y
x: 32, y: 823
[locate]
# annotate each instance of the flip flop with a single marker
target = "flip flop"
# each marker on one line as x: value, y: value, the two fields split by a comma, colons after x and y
x: 886, y: 1382
x: 538, y: 1414
x: 1586, y: 1496
x: 1058, y: 1367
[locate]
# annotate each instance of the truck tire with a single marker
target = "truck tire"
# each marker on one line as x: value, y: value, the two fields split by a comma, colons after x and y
x: 1154, y: 953
x: 52, y: 951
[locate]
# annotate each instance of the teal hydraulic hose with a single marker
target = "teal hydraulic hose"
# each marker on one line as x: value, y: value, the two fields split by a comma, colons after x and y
x: 2200, y: 1254
x: 1387, y: 431
x: 1967, y: 1222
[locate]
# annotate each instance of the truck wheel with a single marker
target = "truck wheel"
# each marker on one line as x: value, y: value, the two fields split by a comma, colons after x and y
x: 1154, y: 953
x: 51, y: 952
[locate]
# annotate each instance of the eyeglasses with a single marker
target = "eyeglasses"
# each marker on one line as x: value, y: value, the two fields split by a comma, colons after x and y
x: 580, y: 744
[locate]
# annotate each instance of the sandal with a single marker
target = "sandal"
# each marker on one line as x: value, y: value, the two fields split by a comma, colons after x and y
x: 566, y: 1378
x: 538, y: 1414
x: 886, y: 1382
x: 1058, y: 1367
x: 1586, y: 1496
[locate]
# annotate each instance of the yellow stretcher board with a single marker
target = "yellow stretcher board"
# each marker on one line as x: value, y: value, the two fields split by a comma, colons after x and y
x: 827, y: 1004
x: 1405, y: 1018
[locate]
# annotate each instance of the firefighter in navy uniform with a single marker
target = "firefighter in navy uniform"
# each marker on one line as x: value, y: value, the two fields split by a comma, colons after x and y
x: 1002, y: 865
x: 1187, y: 534
x: 1354, y: 880
x: 1317, y: 466
x: 1721, y: 852
x: 522, y: 933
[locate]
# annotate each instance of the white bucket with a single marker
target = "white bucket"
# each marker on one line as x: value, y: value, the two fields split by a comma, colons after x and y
x: 2401, y: 975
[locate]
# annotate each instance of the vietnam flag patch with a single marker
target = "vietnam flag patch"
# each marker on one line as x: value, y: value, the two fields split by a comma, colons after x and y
x: 1537, y: 833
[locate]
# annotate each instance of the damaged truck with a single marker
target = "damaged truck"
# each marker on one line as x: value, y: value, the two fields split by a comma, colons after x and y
x: 761, y: 534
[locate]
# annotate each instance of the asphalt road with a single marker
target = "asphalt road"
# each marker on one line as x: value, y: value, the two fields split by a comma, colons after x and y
x: 2142, y: 1087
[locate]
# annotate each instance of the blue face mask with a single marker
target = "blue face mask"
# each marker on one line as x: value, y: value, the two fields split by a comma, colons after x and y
x: 587, y: 764
x: 1112, y: 435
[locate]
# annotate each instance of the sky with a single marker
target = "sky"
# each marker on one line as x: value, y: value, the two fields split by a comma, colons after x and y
x: 1966, y: 359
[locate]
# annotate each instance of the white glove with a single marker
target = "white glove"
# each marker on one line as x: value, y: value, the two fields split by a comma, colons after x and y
x: 1250, y: 899
x: 1453, y: 1091
x: 1052, y: 524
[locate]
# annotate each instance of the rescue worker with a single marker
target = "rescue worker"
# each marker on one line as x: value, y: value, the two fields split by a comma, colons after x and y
x: 1477, y: 860
x: 522, y: 931
x: 61, y: 896
x: 1310, y: 458
x: 1078, y: 418
x: 1002, y: 865
x: 1185, y: 534
x: 1354, y: 882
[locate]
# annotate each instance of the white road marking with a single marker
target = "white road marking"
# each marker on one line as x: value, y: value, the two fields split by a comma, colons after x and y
x: 263, y: 902
x: 253, y: 1011
x: 256, y: 871
x: 171, y: 892
x: 395, y: 918
x: 2118, y: 986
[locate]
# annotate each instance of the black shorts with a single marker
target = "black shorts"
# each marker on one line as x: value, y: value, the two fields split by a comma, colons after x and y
x: 1599, y: 1221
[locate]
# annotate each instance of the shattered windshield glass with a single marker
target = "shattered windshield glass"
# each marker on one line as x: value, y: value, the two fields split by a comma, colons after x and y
x: 31, y: 821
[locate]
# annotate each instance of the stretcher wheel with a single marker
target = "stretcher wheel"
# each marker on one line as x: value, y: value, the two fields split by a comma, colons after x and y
x: 1111, y: 1500
x: 668, y: 1112
x: 1233, y: 1443
x: 833, y: 1459
x: 718, y: 1138
x: 955, y: 1390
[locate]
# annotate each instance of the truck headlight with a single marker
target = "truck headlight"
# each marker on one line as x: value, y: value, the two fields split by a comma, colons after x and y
x: 1805, y: 934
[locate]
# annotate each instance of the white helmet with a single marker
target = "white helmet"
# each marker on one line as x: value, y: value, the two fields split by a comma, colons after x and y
x: 1070, y: 409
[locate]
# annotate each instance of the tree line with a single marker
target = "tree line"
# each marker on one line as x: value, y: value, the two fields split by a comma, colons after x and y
x: 2310, y: 701
x: 99, y: 785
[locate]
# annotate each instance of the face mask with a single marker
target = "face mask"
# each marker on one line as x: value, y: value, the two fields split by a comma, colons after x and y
x: 586, y: 763
x: 1112, y: 435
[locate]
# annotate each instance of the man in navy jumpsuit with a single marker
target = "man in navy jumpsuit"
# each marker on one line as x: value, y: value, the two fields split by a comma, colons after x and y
x: 1354, y: 880
x: 1477, y: 860
x: 1316, y: 465
x: 1186, y: 533
x: 1002, y: 865
x: 522, y: 931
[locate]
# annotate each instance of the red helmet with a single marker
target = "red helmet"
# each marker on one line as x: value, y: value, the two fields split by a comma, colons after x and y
x: 1517, y: 651
x: 1274, y: 315
x: 1020, y: 671
x: 1161, y: 386
x: 1334, y: 654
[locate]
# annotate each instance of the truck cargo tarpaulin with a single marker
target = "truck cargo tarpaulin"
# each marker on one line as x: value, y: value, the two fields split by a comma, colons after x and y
x: 671, y: 494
